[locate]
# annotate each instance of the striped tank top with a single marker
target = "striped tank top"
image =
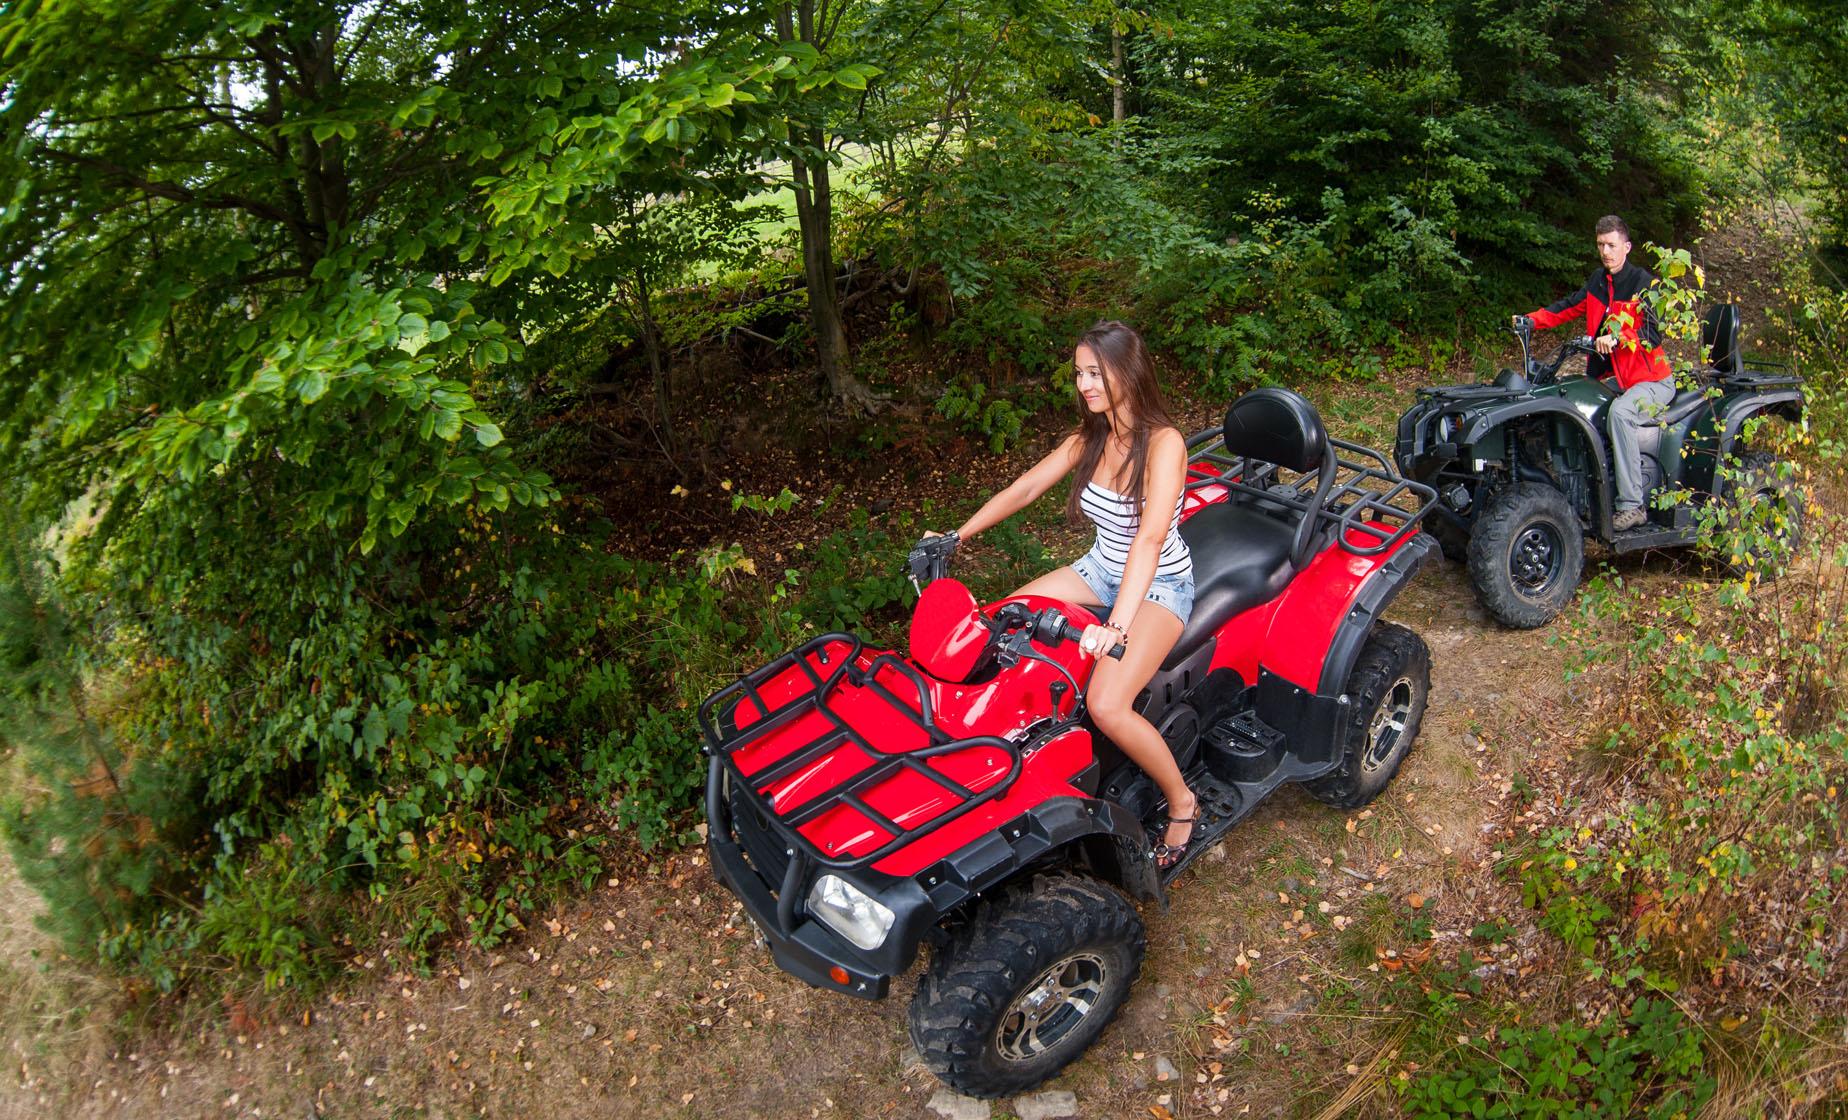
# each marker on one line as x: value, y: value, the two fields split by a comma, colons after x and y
x: 1116, y: 518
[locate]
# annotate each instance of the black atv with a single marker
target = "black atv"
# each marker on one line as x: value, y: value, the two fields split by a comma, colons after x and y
x: 1522, y: 465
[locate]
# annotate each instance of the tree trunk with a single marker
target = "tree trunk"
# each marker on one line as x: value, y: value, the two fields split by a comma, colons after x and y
x: 815, y: 220
x: 1117, y: 111
x: 663, y: 391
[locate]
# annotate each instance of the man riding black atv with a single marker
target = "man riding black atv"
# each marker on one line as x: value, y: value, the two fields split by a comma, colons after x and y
x: 1629, y: 346
x: 1524, y: 470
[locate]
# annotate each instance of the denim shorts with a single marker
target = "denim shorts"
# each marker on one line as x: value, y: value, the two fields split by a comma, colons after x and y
x: 1174, y: 592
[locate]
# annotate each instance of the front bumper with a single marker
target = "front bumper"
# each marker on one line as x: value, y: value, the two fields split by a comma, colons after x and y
x: 748, y: 857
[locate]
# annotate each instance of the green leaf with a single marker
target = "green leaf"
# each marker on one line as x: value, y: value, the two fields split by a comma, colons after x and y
x: 487, y: 434
x: 312, y: 386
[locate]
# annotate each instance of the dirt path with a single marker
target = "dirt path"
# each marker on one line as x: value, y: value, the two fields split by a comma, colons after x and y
x: 647, y: 998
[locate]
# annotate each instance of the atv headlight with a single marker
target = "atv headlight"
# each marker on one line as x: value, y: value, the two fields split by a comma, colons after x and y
x: 850, y: 911
x: 1446, y: 427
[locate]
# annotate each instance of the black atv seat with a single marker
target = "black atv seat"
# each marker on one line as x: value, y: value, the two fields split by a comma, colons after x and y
x: 1241, y: 558
x: 1246, y: 549
x: 1685, y: 404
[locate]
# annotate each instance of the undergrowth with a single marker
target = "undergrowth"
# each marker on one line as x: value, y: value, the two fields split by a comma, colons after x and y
x: 410, y: 748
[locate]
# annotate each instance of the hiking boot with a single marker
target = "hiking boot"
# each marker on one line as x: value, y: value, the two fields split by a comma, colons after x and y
x: 1628, y: 519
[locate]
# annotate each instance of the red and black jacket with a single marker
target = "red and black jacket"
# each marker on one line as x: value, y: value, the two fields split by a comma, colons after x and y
x: 1605, y: 296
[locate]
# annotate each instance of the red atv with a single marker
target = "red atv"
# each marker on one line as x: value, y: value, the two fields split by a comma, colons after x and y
x: 862, y: 802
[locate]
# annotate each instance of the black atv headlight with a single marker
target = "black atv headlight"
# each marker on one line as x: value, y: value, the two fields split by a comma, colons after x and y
x: 1446, y: 428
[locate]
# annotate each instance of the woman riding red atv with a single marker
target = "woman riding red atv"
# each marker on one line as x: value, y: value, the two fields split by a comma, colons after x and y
x: 1125, y: 457
x: 1000, y: 791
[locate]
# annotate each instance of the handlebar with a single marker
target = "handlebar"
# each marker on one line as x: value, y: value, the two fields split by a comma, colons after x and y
x: 1545, y: 373
x: 1046, y: 627
x: 929, y: 559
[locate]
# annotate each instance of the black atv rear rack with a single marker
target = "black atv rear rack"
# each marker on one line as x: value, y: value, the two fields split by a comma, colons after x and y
x: 1361, y: 500
x: 771, y: 854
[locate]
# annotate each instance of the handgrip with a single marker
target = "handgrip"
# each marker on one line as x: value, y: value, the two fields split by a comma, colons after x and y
x: 1072, y: 633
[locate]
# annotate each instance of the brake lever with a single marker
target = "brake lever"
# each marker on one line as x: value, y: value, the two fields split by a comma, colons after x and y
x: 929, y: 560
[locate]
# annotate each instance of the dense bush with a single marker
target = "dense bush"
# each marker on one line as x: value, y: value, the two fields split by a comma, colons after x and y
x: 449, y: 729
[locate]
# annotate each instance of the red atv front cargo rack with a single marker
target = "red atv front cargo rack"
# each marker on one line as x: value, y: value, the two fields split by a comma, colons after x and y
x: 791, y: 739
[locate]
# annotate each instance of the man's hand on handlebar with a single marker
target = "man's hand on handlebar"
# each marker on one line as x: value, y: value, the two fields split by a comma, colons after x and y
x: 1605, y: 344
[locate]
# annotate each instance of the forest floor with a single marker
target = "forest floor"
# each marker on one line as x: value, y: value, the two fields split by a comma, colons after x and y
x: 1271, y: 988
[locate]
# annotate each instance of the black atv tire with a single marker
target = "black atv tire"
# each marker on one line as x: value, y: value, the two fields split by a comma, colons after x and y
x: 1388, y: 689
x: 1526, y: 554
x: 1057, y: 955
x: 1758, y: 478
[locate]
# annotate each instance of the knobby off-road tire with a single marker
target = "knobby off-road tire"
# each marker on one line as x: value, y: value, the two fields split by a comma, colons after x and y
x: 1759, y: 482
x: 1027, y: 984
x: 1388, y: 686
x: 1526, y: 553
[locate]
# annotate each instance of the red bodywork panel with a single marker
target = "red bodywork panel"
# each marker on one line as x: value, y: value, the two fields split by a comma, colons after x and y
x: 1295, y: 631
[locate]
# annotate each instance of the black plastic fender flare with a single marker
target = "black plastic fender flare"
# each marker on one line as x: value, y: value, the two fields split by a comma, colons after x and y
x: 1376, y: 594
x: 1479, y: 424
x: 1113, y: 839
x: 1786, y: 402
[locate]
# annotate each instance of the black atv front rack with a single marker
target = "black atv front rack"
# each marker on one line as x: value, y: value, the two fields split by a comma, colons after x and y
x: 1363, y: 498
x: 717, y: 717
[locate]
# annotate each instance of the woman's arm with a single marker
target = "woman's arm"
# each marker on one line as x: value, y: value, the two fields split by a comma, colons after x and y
x: 1025, y: 490
x: 1165, y: 475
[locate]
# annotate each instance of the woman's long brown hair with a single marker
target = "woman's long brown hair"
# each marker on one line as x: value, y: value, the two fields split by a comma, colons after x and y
x: 1129, y: 377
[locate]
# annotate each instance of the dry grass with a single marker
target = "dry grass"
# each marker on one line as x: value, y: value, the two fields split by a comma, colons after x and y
x: 57, y: 1014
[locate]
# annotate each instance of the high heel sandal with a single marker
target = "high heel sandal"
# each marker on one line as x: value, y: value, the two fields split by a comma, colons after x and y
x: 1166, y: 854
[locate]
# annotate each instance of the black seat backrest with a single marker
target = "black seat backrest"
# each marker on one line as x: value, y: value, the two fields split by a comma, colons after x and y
x: 1719, y: 338
x: 1275, y: 425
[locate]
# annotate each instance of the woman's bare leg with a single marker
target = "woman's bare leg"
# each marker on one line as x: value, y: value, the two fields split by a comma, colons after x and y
x: 1064, y: 583
x: 1111, y: 701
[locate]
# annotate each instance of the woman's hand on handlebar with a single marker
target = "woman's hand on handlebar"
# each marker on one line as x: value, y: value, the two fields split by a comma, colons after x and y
x: 1098, y: 641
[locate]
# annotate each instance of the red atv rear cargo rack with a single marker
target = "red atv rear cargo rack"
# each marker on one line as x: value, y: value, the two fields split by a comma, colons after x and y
x: 1364, y: 499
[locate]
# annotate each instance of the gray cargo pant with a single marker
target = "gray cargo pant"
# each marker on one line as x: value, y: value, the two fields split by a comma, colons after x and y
x: 1641, y: 404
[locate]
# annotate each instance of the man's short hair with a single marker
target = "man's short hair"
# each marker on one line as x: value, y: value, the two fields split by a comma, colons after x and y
x: 1611, y: 223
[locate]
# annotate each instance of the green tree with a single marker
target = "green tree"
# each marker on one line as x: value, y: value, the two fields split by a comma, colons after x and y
x: 1434, y: 147
x: 269, y: 275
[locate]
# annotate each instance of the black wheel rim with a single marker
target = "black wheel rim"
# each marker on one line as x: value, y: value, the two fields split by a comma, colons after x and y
x: 1051, y: 1008
x: 1536, y: 559
x: 1387, y: 730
